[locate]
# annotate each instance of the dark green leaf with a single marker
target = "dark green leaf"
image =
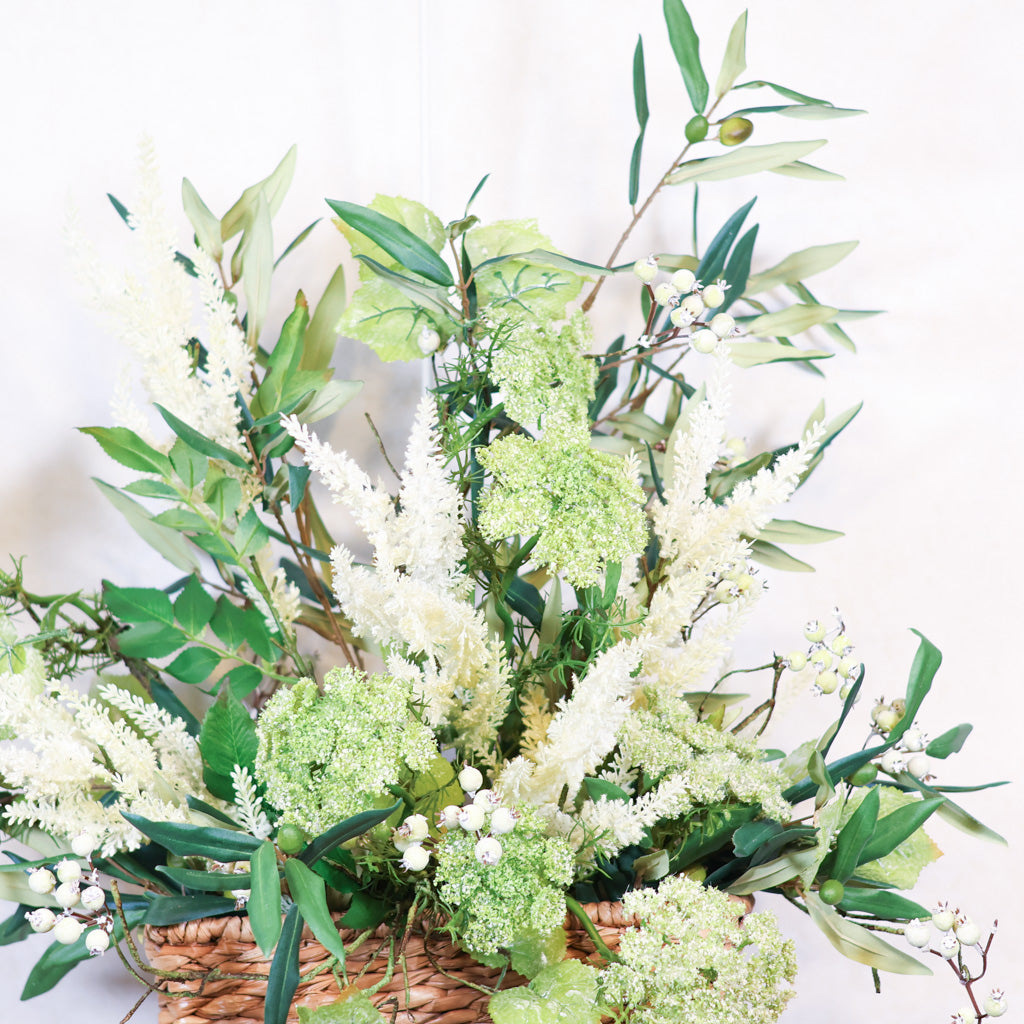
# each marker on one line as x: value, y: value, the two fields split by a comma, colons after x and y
x: 748, y: 838
x: 298, y: 477
x: 851, y: 699
x: 194, y: 664
x: 196, y: 840
x: 196, y: 441
x: 206, y: 881
x: 194, y: 607
x: 297, y: 241
x: 922, y: 672
x: 898, y: 826
x: 222, y: 494
x: 344, y: 831
x: 642, y: 115
x: 243, y: 679
x: 396, y: 240
x: 122, y: 210
x: 364, y: 912
x: 257, y: 634
x: 216, y: 547
x: 228, y: 736
x: 165, y: 910
x: 264, y: 904
x: 685, y: 46
x: 713, y: 261
x: 853, y: 838
x: 597, y: 788
x: 309, y: 892
x: 150, y: 640
x: 200, y: 805
x: 710, y: 835
x: 16, y: 927
x: 737, y: 270
x: 284, y: 970
x: 228, y: 623
x: 524, y: 598
x: 949, y: 742
x: 138, y: 604
x: 126, y: 447
x: 885, y: 906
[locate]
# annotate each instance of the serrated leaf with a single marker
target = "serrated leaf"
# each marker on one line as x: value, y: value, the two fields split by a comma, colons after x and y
x: 791, y: 320
x: 138, y: 604
x: 205, y: 225
x: 807, y: 172
x: 396, y: 240
x: 228, y: 735
x: 251, y: 535
x: 857, y: 943
x: 243, y: 679
x: 188, y: 464
x: 800, y: 265
x: 686, y: 47
x: 126, y: 447
x: 742, y: 161
x: 196, y: 840
x: 264, y: 904
x: 228, y: 623
x: 274, y: 188
x: 194, y: 665
x: 310, y: 893
x: 152, y: 489
x: 166, y: 542
x: 598, y: 788
x: 734, y: 63
x: 194, y: 607
x: 150, y: 640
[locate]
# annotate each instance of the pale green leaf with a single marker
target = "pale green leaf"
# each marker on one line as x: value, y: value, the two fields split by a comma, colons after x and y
x: 257, y: 248
x: 789, y: 321
x: 735, y: 61
x: 334, y: 395
x: 798, y: 266
x: 809, y: 172
x: 775, y: 558
x: 754, y: 353
x: 790, y: 531
x: 318, y: 345
x: 742, y: 161
x: 274, y: 187
x: 382, y: 317
x: 774, y: 872
x: 204, y: 223
x: 818, y: 111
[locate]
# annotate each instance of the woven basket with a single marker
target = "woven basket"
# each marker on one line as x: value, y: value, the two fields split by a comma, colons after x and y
x: 421, y: 993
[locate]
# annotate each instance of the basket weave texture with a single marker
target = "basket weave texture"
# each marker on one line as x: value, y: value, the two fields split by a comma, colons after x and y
x: 421, y: 993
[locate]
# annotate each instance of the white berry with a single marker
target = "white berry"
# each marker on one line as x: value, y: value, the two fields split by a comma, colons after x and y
x: 646, y: 270
x: 722, y: 324
x: 68, y: 930
x: 943, y: 918
x: 66, y: 894
x: 683, y: 280
x: 41, y: 881
x: 97, y: 941
x: 69, y: 870
x: 796, y: 660
x: 665, y: 294
x: 693, y: 305
x: 704, y: 341
x: 814, y: 631
x: 713, y: 296
x: 503, y: 820
x: 679, y: 317
x: 967, y: 932
x: 93, y: 898
x: 949, y: 946
x: 995, y: 1003
x: 449, y: 817
x: 415, y: 858
x: 83, y: 844
x: 41, y: 920
x: 428, y: 340
x: 470, y: 779
x: 917, y: 933
x: 418, y: 826
x: 488, y: 851
x: 472, y: 818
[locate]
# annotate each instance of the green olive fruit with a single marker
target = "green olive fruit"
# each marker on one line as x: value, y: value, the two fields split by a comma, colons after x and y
x: 290, y: 839
x: 863, y: 776
x: 734, y: 130
x: 696, y: 128
x: 831, y: 892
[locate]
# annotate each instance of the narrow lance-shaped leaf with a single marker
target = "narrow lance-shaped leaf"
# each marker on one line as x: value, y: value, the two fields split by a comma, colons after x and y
x: 310, y: 894
x: 318, y: 345
x: 854, y: 836
x: 896, y: 827
x: 274, y: 187
x: 264, y: 904
x: 798, y: 266
x: 922, y: 672
x: 201, y: 444
x: 126, y: 447
x: 257, y: 267
x: 746, y: 160
x: 686, y: 47
x: 284, y: 969
x: 735, y: 61
x: 737, y: 270
x: 196, y: 841
x: 642, y: 115
x: 714, y: 258
x: 345, y: 830
x: 204, y: 223
x: 789, y: 321
x: 949, y: 742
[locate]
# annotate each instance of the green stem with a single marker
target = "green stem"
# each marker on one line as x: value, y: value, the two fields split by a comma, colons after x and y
x: 591, y: 929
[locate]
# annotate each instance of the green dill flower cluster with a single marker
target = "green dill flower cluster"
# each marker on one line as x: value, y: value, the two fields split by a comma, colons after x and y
x: 326, y: 756
x: 523, y: 892
x: 693, y: 961
x: 667, y: 738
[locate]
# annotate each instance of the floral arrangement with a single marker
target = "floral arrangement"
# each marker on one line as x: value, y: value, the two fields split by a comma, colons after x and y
x: 513, y: 697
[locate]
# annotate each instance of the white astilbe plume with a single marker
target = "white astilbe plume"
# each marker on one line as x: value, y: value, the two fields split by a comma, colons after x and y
x: 415, y: 601
x: 151, y: 308
x: 248, y: 804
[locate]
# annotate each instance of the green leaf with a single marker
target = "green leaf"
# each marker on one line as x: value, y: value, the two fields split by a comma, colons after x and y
x: 283, y: 360
x: 334, y: 395
x: 790, y: 531
x: 126, y: 447
x: 642, y: 115
x: 396, y: 240
x: 383, y: 318
x: 228, y: 735
x: 166, y: 910
x: 949, y: 742
x: 791, y: 320
x: 196, y: 840
x: 597, y: 788
x: 922, y: 672
x: 188, y: 464
x: 800, y: 265
x: 748, y: 838
x: 243, y: 679
x: 228, y: 623
x: 274, y: 188
x: 819, y: 775
x: 298, y: 478
x: 194, y: 665
x: 686, y: 47
x: 353, y: 1008
x: 429, y: 296
x: 150, y: 640
x: 138, y: 604
x: 168, y: 543
x: 773, y: 872
x: 201, y: 444
x: 818, y: 112
x: 743, y: 161
x: 789, y: 94
x: 309, y: 892
x: 205, y: 225
x: 807, y: 172
x: 318, y: 345
x: 883, y: 905
x: 284, y: 969
x: 222, y: 494
x: 250, y: 535
x: 735, y: 61
x: 365, y: 912
x: 713, y: 261
x: 183, y: 520
x: 194, y: 607
x: 737, y: 270
x: 853, y: 838
x: 264, y: 904
x: 16, y: 927
x: 711, y: 835
x: 344, y: 831
x: 164, y: 697
x: 146, y: 488
x: 297, y: 241
x: 857, y: 943
x: 757, y: 353
x: 207, y: 881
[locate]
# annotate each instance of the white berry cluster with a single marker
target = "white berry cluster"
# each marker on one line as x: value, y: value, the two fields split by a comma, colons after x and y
x: 688, y: 302
x: 735, y: 580
x: 830, y: 655
x: 908, y: 754
x: 81, y: 908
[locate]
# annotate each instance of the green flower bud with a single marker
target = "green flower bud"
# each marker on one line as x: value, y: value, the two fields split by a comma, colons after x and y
x: 734, y: 130
x: 696, y: 128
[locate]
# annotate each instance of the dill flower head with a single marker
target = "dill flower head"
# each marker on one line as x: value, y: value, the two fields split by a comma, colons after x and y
x: 692, y: 961
x: 326, y: 756
x: 523, y: 891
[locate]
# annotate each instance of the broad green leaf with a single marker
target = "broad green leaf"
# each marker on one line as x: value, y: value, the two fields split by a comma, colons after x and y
x: 165, y: 910
x: 344, y: 831
x: 789, y: 531
x: 791, y: 320
x: 309, y: 892
x: 560, y: 992
x: 194, y: 607
x: 800, y: 265
x: 152, y: 489
x: 713, y: 261
x: 251, y: 535
x: 298, y: 478
x: 258, y: 634
x: 126, y: 447
x: 808, y: 172
x: 243, y: 679
x: 194, y: 665
x: 205, y: 225
x: 353, y: 1007
x: 201, y: 444
x: 190, y: 466
x: 774, y: 872
x: 756, y: 353
x: 274, y: 187
x: 207, y: 881
x: 857, y: 943
x: 598, y: 788
x: 775, y: 558
x: 150, y: 640
x: 686, y: 47
x: 365, y: 911
x: 882, y: 904
x: 383, y: 318
x: 283, y: 360
x: 183, y: 520
x: 735, y: 61
x: 222, y: 494
x: 642, y: 115
x: 264, y: 905
x: 949, y: 742
x: 196, y: 840
x: 228, y: 735
x: 228, y: 623
x: 138, y: 604
x: 853, y: 837
x: 742, y: 161
x: 284, y: 969
x: 318, y: 345
x: 168, y: 543
x: 396, y: 240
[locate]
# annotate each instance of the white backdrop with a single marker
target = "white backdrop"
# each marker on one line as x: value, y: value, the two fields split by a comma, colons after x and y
x: 926, y: 484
